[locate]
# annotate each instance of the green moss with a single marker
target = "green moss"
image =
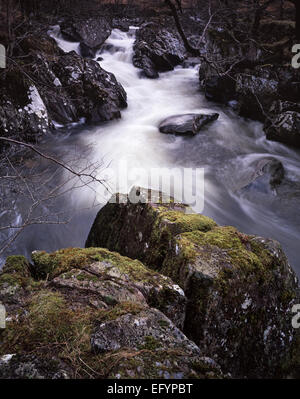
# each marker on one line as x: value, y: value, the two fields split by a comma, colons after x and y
x: 51, y: 328
x: 51, y: 265
x: 188, y: 222
x: 49, y: 325
x: 10, y: 279
x: 15, y: 281
x: 236, y: 257
x: 222, y: 237
x: 168, y: 223
x: 63, y: 261
x: 164, y: 323
x: 233, y: 244
x: 119, y: 310
x: 82, y: 276
x: 150, y: 343
x: 109, y: 300
x: 16, y: 264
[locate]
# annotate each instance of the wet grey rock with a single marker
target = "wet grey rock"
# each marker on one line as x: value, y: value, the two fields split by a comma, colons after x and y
x: 221, y: 49
x: 23, y: 113
x: 188, y: 124
x: 268, y: 175
x: 96, y: 94
x: 157, y: 50
x: 158, y: 348
x: 69, y: 88
x: 255, y: 94
x: 284, y: 123
x: 91, y: 33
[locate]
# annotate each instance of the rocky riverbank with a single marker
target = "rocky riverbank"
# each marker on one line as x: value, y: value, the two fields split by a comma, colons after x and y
x: 252, y: 76
x: 255, y: 77
x: 44, y: 86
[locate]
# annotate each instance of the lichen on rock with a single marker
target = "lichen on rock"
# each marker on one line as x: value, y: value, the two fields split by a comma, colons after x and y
x: 82, y: 294
x: 240, y: 288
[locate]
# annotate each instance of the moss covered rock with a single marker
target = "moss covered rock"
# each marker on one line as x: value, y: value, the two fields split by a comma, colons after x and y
x: 111, y: 278
x: 240, y: 288
x: 89, y: 317
x: 31, y: 367
x: 143, y: 225
x: 155, y: 348
x: 148, y: 329
x: 16, y: 281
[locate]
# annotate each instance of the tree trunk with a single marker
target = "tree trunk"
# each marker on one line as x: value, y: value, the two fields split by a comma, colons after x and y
x: 186, y: 43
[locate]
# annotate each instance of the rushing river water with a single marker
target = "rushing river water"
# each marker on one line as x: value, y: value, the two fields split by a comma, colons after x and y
x: 227, y: 150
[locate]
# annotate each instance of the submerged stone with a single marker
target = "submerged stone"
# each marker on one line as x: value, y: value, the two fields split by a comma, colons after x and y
x: 188, y: 124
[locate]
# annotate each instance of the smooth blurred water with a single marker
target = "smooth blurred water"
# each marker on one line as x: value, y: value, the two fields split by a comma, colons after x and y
x: 227, y: 150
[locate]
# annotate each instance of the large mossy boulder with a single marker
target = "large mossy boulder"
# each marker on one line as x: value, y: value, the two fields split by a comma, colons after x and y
x: 91, y: 313
x: 240, y: 288
x: 142, y: 225
x: 110, y: 279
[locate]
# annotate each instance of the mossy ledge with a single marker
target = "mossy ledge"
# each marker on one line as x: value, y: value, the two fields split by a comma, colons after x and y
x: 240, y: 288
x: 57, y: 304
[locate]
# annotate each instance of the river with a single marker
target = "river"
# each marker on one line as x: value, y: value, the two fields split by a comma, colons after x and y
x: 227, y: 150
